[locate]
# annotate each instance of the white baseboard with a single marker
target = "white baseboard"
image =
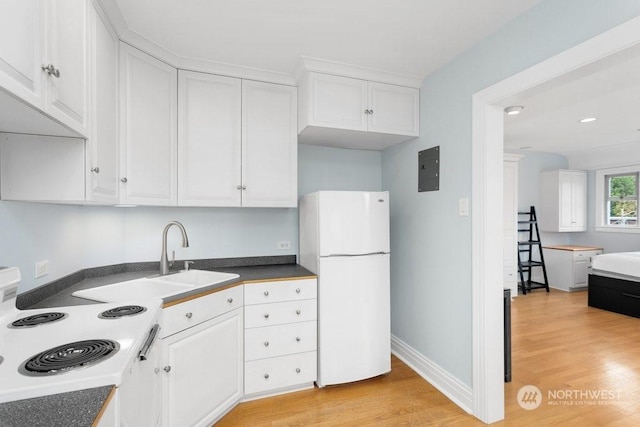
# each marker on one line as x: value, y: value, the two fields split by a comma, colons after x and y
x: 454, y: 389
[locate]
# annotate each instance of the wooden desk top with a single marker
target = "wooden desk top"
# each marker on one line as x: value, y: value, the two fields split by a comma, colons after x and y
x: 572, y: 248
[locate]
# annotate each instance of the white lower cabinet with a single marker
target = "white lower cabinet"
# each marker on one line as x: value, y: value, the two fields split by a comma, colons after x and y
x: 280, y: 337
x: 568, y: 266
x: 203, y: 361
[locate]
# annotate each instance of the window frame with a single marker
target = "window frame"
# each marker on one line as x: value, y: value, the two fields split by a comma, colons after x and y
x: 602, y: 198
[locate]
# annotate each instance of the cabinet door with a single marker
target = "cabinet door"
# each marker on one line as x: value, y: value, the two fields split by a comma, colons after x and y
x: 579, y: 201
x: 393, y: 109
x: 102, y: 148
x: 566, y: 200
x: 205, y: 377
x: 209, y: 140
x: 338, y: 102
x: 20, y: 35
x: 148, y: 137
x: 67, y: 50
x: 269, y: 145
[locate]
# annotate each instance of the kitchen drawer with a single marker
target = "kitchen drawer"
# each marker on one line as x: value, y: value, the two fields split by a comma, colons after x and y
x: 285, y: 290
x: 279, y: 372
x: 190, y: 313
x: 272, y: 341
x: 278, y: 313
x: 585, y: 255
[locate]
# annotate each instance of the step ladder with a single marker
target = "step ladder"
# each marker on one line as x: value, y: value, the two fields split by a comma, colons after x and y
x: 526, y: 246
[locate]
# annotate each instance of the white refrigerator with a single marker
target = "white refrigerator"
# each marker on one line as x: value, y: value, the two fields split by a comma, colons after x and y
x: 344, y: 239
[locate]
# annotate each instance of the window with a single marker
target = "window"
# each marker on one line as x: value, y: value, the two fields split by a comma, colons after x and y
x: 617, y: 199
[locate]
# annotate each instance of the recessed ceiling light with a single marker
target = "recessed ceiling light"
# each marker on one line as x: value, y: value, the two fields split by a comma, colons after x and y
x: 513, y: 110
x: 588, y: 120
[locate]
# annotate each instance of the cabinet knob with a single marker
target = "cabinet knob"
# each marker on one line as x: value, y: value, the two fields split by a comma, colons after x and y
x: 266, y: 343
x: 298, y: 312
x: 266, y: 315
x: 266, y: 376
x: 167, y: 368
x: 96, y: 169
x: 266, y: 293
x: 297, y: 370
x: 370, y: 111
x: 124, y: 180
x: 298, y: 339
x: 241, y: 187
x: 189, y: 315
x: 51, y: 70
x: 366, y: 111
x: 297, y: 290
x: 229, y: 300
x: 156, y: 370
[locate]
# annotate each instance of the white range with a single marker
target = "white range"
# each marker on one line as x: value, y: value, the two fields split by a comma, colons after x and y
x: 62, y: 349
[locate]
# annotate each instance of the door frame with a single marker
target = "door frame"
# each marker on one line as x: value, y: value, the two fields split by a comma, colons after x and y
x: 487, y: 193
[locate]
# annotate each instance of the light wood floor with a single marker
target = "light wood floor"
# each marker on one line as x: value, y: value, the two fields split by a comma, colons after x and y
x: 558, y: 344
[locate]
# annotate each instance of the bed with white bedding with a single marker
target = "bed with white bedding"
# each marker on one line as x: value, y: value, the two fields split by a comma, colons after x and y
x: 614, y: 283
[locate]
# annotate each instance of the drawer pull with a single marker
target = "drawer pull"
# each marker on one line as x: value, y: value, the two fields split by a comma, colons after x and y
x: 266, y: 343
x: 298, y: 312
x: 266, y: 315
x: 298, y: 339
x: 631, y: 296
x: 229, y: 300
x: 297, y: 370
x: 266, y: 376
x: 297, y: 290
x: 266, y: 293
x: 189, y: 315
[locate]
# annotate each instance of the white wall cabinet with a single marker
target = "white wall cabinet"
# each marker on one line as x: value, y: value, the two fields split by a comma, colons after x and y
x: 66, y: 55
x: 510, y: 222
x: 102, y: 161
x: 269, y: 145
x: 209, y: 140
x: 382, y: 114
x: 237, y: 142
x: 568, y: 266
x: 203, y: 358
x: 148, y: 135
x: 280, y: 337
x: 563, y: 198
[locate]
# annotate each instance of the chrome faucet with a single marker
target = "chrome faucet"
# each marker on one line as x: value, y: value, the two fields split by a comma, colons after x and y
x: 164, y: 262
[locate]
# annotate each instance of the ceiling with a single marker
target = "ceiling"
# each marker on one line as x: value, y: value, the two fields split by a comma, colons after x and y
x: 608, y: 90
x: 408, y: 37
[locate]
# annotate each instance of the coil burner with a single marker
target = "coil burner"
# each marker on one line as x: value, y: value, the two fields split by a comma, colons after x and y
x: 67, y: 357
x: 122, y: 311
x: 37, y: 319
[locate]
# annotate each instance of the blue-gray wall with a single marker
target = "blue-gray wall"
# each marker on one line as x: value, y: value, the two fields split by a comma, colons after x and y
x: 76, y: 237
x: 430, y: 243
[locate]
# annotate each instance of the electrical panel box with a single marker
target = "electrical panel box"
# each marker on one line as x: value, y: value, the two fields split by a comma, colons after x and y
x: 429, y: 169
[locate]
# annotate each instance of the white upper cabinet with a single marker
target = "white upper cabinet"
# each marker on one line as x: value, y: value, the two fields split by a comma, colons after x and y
x: 353, y: 113
x: 66, y: 62
x: 148, y: 136
x: 237, y: 142
x: 563, y: 197
x: 209, y: 146
x: 20, y: 34
x: 102, y: 177
x: 269, y: 145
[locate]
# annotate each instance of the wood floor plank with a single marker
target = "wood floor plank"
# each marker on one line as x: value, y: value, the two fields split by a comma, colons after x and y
x: 559, y: 344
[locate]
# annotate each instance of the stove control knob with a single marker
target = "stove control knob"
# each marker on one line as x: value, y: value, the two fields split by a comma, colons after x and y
x: 167, y: 368
x: 189, y: 315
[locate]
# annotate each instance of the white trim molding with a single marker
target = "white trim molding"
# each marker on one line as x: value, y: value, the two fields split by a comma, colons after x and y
x: 449, y: 385
x: 487, y: 146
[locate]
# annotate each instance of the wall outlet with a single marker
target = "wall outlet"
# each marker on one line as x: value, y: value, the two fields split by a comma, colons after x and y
x: 284, y: 245
x: 42, y: 268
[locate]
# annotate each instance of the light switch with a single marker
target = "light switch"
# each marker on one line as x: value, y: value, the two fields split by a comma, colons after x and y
x: 463, y: 206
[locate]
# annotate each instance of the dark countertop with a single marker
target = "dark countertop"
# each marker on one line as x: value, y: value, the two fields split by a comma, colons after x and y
x: 80, y: 408
x: 75, y: 408
x: 247, y: 274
